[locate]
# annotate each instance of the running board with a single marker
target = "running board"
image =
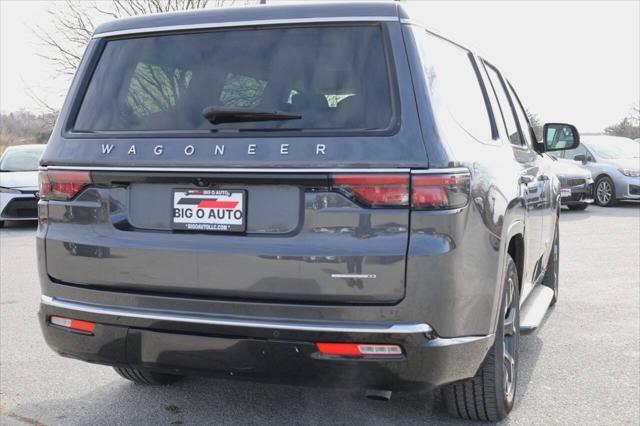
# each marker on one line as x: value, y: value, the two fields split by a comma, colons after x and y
x: 534, y: 308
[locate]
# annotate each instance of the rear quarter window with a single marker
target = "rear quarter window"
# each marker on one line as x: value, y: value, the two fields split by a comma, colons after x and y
x: 337, y: 78
x: 453, y: 84
x: 508, y: 114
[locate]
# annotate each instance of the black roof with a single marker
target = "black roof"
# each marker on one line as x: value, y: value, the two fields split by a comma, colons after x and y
x: 256, y: 13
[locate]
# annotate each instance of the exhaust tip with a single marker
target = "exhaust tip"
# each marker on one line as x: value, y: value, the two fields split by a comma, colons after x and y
x: 378, y: 394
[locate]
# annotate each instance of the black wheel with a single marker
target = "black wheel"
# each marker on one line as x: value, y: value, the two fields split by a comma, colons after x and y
x: 578, y: 206
x: 605, y: 192
x: 489, y: 395
x: 551, y: 276
x: 1, y: 223
x: 146, y: 377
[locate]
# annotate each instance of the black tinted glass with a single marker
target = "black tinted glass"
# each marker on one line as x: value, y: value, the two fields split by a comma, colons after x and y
x: 453, y: 84
x: 505, y: 106
x: 334, y: 77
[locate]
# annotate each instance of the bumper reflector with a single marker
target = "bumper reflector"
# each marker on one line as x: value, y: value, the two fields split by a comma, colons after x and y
x: 73, y: 324
x: 358, y: 349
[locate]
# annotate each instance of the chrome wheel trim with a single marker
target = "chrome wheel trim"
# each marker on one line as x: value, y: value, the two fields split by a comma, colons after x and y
x: 509, y: 346
x: 604, y: 192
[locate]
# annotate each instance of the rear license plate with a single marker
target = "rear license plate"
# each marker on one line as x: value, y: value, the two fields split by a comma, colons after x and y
x: 221, y: 210
x: 565, y: 192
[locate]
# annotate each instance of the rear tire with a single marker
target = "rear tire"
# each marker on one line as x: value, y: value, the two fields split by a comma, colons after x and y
x: 578, y: 206
x: 552, y: 274
x: 489, y: 395
x: 1, y: 223
x: 146, y: 377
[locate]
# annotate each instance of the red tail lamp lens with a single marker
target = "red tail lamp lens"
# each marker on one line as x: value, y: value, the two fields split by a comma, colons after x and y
x: 440, y: 191
x: 73, y: 324
x: 62, y: 184
x: 358, y: 349
x: 374, y: 190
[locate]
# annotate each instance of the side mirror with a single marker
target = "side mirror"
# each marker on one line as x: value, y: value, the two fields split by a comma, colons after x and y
x: 560, y: 136
x: 581, y: 157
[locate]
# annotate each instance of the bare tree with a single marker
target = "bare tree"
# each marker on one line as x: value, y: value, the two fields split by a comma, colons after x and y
x: 628, y: 127
x: 534, y: 120
x: 634, y: 116
x: 24, y: 127
x: 74, y: 21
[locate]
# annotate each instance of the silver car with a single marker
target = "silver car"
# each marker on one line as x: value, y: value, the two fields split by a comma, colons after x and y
x: 19, y: 182
x: 614, y: 163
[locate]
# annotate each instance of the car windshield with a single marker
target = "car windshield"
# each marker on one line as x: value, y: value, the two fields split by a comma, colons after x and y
x: 300, y: 78
x: 21, y: 160
x: 614, y: 148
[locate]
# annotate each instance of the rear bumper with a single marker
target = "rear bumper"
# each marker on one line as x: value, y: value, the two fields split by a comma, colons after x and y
x: 262, y: 350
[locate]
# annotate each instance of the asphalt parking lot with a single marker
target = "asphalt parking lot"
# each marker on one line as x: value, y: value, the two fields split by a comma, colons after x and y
x: 581, y: 367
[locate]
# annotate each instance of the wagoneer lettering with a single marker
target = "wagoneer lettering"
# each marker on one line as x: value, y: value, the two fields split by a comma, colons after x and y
x: 218, y: 150
x: 269, y: 192
x: 107, y: 148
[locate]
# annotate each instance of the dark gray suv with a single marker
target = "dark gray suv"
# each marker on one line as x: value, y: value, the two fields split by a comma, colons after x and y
x: 315, y: 194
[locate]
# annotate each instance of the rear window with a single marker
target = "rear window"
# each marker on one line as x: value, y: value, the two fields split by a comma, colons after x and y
x: 335, y: 78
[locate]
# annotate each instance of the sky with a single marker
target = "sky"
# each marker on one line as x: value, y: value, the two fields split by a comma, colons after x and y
x: 570, y: 61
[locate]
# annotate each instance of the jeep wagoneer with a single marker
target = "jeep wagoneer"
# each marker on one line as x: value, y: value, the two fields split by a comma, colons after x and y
x: 319, y: 194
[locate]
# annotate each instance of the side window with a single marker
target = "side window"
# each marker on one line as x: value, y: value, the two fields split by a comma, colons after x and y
x: 493, y: 100
x: 505, y: 106
x: 579, y: 150
x: 525, y: 128
x: 453, y: 84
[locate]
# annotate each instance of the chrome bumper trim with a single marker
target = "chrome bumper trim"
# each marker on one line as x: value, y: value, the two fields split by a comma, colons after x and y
x: 233, y: 322
x: 229, y: 169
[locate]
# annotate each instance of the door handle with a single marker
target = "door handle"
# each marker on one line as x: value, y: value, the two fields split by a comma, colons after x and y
x: 543, y: 178
x: 525, y: 179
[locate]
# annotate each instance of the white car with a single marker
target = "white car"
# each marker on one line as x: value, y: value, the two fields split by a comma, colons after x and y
x: 19, y: 182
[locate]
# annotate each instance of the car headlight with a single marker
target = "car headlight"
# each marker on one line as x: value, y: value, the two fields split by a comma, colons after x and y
x: 630, y: 172
x: 4, y: 190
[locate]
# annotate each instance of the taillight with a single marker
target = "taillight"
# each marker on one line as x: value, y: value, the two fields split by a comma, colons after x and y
x: 439, y: 191
x: 358, y: 349
x: 433, y: 191
x: 374, y: 190
x: 62, y: 184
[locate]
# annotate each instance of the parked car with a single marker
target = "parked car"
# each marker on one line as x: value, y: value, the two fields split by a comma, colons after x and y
x: 19, y: 182
x: 323, y: 194
x: 614, y: 163
x: 576, y: 184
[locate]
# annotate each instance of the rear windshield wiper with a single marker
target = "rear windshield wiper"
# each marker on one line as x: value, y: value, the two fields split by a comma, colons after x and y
x: 218, y: 115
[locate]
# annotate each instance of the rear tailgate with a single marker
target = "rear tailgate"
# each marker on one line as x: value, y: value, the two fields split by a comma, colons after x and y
x: 305, y: 239
x: 135, y: 120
